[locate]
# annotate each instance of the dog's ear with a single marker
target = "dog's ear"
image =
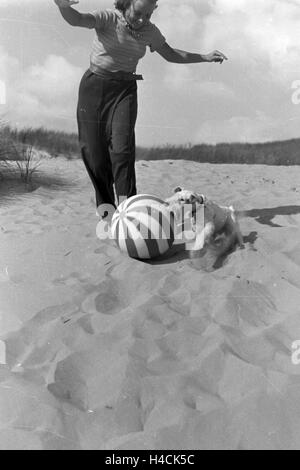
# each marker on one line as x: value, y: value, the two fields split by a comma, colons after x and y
x: 197, y: 198
x: 200, y: 198
x: 178, y: 189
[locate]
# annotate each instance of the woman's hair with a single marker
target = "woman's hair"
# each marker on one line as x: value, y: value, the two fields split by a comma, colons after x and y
x: 122, y: 5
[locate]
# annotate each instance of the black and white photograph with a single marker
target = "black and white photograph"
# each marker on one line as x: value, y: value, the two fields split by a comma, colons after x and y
x: 149, y: 227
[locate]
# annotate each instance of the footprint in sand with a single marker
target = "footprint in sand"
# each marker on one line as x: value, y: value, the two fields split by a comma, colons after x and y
x: 249, y: 305
x: 106, y: 299
x: 74, y: 278
x: 169, y: 285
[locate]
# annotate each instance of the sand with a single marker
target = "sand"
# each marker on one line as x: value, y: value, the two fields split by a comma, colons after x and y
x: 107, y: 352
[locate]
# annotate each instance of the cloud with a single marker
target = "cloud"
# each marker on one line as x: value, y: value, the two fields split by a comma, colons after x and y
x: 260, y: 31
x: 9, y: 66
x: 267, y: 31
x: 5, y: 3
x: 54, y: 79
x: 179, y: 78
x: 181, y: 22
x: 257, y: 128
x: 41, y: 95
x: 247, y: 98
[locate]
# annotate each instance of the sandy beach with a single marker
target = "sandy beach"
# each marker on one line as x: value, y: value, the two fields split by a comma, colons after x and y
x: 107, y: 352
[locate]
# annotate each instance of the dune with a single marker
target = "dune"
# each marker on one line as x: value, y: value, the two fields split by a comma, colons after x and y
x: 107, y: 352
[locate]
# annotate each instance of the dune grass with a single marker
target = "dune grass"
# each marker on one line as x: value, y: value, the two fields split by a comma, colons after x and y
x: 53, y: 142
x: 270, y: 153
x: 18, y: 158
x: 57, y: 143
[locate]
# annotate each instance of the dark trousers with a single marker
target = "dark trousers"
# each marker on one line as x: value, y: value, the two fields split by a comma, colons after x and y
x: 106, y: 116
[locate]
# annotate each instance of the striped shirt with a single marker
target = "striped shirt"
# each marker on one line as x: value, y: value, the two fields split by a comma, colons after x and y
x: 116, y: 47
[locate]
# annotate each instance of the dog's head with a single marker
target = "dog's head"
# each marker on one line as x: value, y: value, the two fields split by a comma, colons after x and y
x: 181, y: 198
x: 184, y: 196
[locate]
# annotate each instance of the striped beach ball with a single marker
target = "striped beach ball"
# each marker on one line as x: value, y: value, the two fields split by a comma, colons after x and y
x: 143, y: 227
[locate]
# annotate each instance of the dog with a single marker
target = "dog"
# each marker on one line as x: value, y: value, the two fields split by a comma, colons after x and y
x: 208, y: 219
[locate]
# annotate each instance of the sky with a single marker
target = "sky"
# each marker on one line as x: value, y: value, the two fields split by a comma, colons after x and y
x: 253, y: 97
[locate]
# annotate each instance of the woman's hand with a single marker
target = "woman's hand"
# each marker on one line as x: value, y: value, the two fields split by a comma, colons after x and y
x: 74, y: 17
x: 216, y: 56
x: 65, y: 3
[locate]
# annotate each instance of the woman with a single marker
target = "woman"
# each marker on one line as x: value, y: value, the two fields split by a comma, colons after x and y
x: 107, y: 105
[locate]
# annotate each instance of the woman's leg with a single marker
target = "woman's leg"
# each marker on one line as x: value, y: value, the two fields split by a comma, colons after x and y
x: 122, y: 143
x: 92, y: 138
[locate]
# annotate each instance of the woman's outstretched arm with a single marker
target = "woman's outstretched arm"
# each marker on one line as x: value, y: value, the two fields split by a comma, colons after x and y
x: 74, y: 17
x: 182, y: 57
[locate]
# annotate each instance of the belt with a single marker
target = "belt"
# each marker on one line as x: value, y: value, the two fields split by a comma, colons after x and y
x: 120, y: 75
